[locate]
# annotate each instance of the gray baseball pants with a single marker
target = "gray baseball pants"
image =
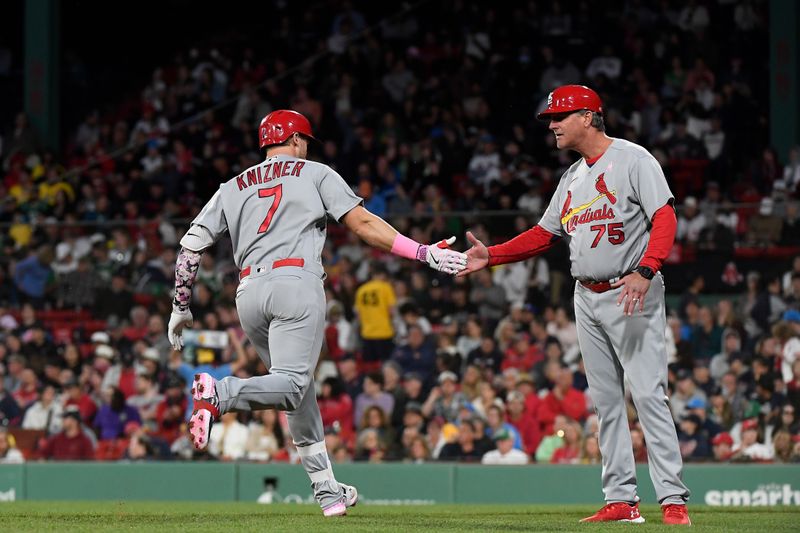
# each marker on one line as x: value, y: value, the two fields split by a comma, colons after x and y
x: 616, y: 349
x: 283, y: 313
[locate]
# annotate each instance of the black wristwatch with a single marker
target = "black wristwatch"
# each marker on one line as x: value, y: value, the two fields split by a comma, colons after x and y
x: 645, y: 272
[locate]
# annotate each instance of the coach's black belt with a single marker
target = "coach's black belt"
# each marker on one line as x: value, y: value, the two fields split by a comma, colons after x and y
x: 288, y: 262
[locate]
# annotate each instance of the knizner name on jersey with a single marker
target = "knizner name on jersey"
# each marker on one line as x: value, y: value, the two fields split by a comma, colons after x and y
x: 268, y: 171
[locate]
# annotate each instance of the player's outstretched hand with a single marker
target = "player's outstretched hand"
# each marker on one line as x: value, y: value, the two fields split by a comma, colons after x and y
x: 477, y: 256
x: 178, y: 321
x: 440, y: 257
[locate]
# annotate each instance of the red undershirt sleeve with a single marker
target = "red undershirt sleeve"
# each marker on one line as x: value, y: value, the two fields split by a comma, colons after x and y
x: 532, y: 242
x: 662, y: 236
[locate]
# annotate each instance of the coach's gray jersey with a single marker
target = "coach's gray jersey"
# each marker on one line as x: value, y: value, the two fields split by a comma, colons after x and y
x: 277, y: 210
x: 604, y: 210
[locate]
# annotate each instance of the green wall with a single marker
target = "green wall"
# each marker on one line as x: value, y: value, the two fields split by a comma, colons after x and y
x: 383, y: 484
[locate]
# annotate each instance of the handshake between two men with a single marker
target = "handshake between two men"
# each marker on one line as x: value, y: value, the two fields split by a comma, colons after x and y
x: 440, y: 257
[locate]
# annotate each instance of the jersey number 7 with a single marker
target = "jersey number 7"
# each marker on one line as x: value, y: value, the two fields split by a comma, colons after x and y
x: 277, y: 192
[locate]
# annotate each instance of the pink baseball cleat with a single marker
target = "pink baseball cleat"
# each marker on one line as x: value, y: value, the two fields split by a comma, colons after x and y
x: 340, y: 508
x: 205, y: 411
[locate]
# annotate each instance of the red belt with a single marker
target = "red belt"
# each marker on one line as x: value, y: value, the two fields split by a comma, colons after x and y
x: 289, y: 262
x: 597, y: 286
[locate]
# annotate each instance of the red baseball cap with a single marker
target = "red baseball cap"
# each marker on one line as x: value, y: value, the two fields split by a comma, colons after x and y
x: 721, y: 438
x: 750, y: 423
x: 571, y: 98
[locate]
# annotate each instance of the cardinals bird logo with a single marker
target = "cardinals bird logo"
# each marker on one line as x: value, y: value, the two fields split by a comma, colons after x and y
x: 566, y: 208
x: 602, y: 188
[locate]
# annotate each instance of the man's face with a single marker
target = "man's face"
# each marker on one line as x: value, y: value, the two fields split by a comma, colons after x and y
x: 569, y: 128
x: 448, y: 387
x: 412, y: 387
x: 722, y: 450
x: 505, y: 445
x: 70, y: 424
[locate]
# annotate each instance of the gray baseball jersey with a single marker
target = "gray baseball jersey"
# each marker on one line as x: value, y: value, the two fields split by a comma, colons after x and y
x: 277, y: 209
x: 604, y: 210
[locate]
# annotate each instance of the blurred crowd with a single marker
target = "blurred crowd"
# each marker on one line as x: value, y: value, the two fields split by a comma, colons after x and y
x: 422, y: 115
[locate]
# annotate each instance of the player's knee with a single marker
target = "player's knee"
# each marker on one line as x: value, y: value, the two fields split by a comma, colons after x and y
x: 300, y: 386
x: 653, y: 399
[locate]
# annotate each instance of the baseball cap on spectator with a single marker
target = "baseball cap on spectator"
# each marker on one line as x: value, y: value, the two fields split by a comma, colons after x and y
x: 72, y: 382
x: 792, y: 315
x: 100, y: 337
x: 150, y: 354
x: 444, y: 376
x: 332, y: 429
x: 722, y: 438
x: 696, y: 402
x: 501, y: 434
x: 750, y: 423
x: 414, y: 407
x: 105, y: 351
x: 73, y: 413
x: 408, y: 376
x: 690, y: 201
x: 682, y: 374
x: 692, y: 418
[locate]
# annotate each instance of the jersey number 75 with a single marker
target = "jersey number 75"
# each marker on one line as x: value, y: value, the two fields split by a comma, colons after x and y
x: 277, y: 192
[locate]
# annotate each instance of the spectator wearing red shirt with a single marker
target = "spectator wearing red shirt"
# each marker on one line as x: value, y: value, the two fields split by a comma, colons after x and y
x: 169, y: 413
x: 28, y: 392
x: 563, y: 399
x: 71, y: 444
x: 335, y: 405
x: 521, y: 355
x: 524, y: 421
x: 527, y: 387
x: 75, y: 397
x: 138, y: 329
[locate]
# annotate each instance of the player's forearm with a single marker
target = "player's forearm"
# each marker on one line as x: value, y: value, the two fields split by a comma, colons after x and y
x: 380, y: 234
x: 662, y: 237
x: 370, y: 228
x: 186, y: 267
x: 532, y: 242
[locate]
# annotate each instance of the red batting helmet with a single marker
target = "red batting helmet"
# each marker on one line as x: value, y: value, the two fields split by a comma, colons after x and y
x: 571, y: 98
x: 279, y: 125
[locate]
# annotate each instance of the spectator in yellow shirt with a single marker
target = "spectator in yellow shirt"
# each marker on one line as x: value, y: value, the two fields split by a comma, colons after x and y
x: 375, y: 304
x: 48, y: 191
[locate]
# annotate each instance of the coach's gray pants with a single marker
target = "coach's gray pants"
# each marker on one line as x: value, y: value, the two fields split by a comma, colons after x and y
x: 617, y: 348
x: 283, y: 313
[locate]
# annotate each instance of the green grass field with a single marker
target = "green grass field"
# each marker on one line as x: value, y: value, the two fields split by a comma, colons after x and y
x: 217, y: 517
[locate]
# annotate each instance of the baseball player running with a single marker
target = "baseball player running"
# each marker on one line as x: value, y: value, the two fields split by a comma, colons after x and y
x: 614, y: 208
x: 276, y: 215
